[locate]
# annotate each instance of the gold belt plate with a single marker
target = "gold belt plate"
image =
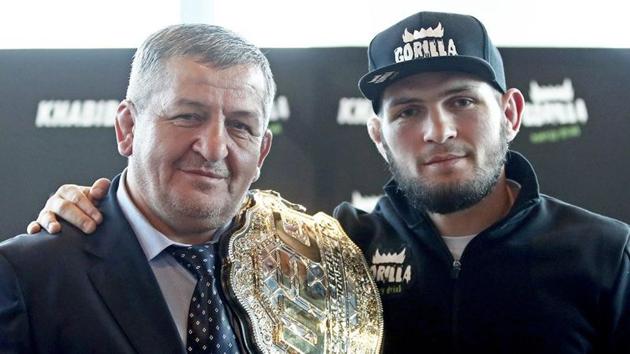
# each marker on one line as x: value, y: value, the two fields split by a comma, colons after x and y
x: 303, y: 285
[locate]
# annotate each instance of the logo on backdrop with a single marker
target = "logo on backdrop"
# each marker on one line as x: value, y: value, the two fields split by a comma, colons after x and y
x: 102, y: 113
x: 354, y: 111
x: 76, y: 113
x: 280, y: 113
x: 425, y: 43
x: 390, y: 270
x: 554, y: 112
x: 364, y: 202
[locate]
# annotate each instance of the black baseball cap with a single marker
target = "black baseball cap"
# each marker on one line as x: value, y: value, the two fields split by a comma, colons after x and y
x: 431, y: 41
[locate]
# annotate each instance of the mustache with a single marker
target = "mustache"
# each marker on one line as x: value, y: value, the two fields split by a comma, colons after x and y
x: 444, y: 149
x: 218, y: 168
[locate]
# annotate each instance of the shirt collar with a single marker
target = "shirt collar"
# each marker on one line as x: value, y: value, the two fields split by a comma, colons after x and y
x: 152, y: 241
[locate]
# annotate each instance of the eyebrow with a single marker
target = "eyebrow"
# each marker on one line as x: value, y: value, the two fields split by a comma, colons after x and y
x: 194, y: 103
x: 459, y: 89
x: 241, y: 114
x: 189, y: 102
x: 246, y: 114
x: 404, y: 100
x: 448, y: 92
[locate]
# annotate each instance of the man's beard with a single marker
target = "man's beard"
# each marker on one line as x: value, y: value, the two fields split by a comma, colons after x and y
x: 452, y: 197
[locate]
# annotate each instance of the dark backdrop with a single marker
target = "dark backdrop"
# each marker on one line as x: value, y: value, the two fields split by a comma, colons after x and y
x: 57, y: 109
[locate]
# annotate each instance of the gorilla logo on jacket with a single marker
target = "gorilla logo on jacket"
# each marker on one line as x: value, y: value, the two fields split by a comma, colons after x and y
x: 390, y: 270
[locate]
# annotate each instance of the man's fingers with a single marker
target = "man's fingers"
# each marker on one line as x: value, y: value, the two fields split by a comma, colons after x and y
x: 74, y: 204
x: 48, y: 221
x: 79, y: 197
x: 69, y: 211
x: 99, y: 190
x: 33, y: 228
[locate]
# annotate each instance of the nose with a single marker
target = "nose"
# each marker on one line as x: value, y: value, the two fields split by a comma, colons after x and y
x: 440, y: 126
x: 211, y: 142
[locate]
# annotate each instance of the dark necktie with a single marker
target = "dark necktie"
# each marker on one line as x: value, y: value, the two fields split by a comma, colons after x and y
x: 208, y: 328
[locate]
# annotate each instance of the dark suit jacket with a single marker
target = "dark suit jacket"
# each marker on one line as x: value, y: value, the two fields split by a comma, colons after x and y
x: 77, y: 293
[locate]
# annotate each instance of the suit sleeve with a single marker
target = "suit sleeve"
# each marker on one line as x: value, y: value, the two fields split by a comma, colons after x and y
x: 14, y: 327
x: 620, y: 336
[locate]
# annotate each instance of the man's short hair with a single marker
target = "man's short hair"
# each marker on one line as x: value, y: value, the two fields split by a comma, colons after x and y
x: 207, y: 44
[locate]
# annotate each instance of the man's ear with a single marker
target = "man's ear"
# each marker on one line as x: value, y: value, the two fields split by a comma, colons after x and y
x: 376, y: 134
x: 513, y: 105
x: 265, y: 147
x: 124, y: 125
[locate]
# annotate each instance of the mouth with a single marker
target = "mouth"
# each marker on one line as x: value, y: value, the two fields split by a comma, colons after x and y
x: 443, y: 159
x: 207, y: 173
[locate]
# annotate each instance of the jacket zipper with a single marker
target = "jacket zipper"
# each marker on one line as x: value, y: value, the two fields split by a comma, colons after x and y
x: 455, y: 270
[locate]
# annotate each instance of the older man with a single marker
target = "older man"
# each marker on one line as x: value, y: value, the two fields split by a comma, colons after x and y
x: 468, y: 255
x: 185, y: 259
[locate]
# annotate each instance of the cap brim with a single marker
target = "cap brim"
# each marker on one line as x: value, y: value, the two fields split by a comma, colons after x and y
x: 373, y: 83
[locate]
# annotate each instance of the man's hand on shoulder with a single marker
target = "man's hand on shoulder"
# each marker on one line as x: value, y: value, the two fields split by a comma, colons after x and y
x: 75, y: 204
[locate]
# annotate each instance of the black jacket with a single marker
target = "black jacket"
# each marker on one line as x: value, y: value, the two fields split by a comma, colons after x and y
x: 72, y: 293
x: 548, y: 278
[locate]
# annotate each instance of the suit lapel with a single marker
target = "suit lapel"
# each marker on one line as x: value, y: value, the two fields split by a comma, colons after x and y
x: 127, y: 285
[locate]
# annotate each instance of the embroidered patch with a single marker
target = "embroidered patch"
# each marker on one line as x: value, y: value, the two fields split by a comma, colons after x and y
x: 390, y: 271
x: 425, y: 43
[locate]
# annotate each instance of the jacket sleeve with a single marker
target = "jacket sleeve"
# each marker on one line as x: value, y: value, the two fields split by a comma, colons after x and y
x: 14, y: 327
x: 620, y: 301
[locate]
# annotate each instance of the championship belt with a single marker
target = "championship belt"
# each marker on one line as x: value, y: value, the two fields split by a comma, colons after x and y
x: 300, y: 285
